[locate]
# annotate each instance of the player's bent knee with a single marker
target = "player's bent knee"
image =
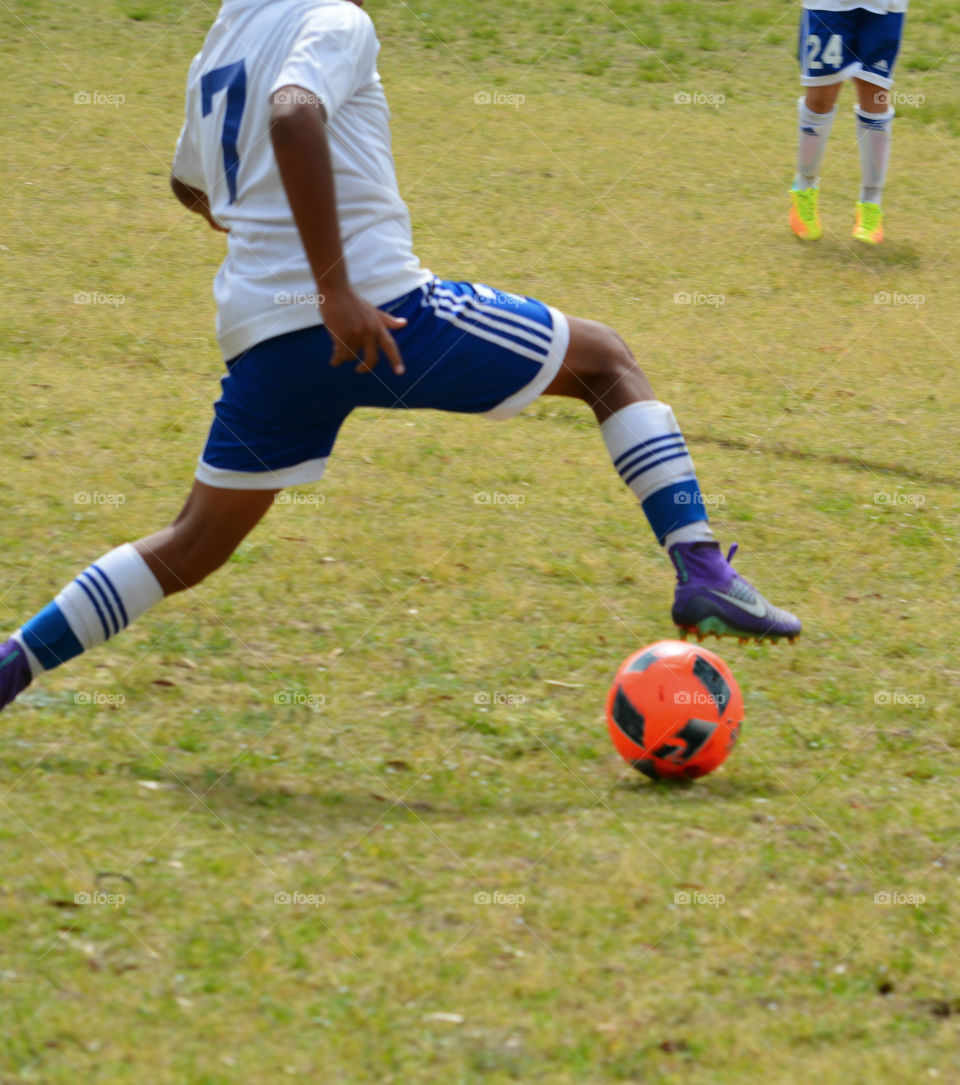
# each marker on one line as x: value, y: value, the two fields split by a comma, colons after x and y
x: 600, y: 369
x: 822, y: 98
x: 596, y: 350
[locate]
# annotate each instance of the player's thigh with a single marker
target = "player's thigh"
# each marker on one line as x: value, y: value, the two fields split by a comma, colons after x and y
x: 467, y: 348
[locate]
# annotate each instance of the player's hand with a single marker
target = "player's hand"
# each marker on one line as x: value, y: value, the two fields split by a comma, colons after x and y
x: 360, y: 331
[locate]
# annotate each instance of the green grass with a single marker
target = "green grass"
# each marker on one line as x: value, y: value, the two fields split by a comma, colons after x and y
x: 308, y: 722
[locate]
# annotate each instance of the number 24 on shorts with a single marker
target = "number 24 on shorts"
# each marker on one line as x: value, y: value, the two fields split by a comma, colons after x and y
x: 831, y: 55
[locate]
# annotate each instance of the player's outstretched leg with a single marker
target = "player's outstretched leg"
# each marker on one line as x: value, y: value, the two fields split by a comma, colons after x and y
x: 650, y: 454
x: 118, y: 587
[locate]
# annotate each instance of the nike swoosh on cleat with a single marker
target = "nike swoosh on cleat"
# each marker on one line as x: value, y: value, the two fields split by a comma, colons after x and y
x: 10, y: 658
x: 758, y: 609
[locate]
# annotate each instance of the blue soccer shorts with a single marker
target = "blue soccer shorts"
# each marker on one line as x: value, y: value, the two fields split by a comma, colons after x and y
x: 858, y: 44
x: 465, y: 348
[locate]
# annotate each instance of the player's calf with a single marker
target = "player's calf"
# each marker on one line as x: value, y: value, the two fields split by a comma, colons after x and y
x: 120, y: 586
x: 211, y: 525
x: 651, y: 456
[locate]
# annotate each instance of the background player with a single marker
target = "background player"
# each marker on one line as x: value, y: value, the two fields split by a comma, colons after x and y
x: 840, y: 40
x: 286, y: 146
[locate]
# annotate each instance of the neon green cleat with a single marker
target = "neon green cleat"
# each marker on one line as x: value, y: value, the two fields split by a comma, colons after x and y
x: 804, y: 217
x: 869, y: 224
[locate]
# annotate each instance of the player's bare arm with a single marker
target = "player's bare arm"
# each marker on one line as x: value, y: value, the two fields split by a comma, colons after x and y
x: 298, y: 134
x: 195, y: 200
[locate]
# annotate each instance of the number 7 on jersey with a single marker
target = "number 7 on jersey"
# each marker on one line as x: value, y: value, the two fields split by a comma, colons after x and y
x: 233, y: 79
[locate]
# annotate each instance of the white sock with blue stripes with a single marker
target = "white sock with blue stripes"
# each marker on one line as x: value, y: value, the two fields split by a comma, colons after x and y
x: 648, y: 449
x: 814, y: 131
x: 104, y: 598
x: 874, y: 133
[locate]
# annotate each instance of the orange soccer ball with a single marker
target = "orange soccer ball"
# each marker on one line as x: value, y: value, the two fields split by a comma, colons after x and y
x: 674, y: 710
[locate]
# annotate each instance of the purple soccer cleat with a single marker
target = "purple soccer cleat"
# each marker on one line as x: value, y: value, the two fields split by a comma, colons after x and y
x: 713, y: 598
x: 15, y: 672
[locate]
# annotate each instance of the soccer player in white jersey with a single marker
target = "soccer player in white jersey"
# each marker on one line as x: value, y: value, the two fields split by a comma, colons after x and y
x: 840, y: 40
x: 323, y: 307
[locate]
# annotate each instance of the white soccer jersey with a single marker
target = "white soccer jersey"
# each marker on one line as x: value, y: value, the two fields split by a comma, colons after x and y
x: 265, y: 286
x: 879, y: 7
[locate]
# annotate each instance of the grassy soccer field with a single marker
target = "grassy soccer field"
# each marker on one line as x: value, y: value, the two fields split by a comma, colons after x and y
x: 349, y: 812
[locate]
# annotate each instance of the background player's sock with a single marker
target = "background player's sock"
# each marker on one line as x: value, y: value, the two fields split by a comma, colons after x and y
x: 814, y: 131
x: 874, y: 133
x: 648, y: 449
x: 102, y: 600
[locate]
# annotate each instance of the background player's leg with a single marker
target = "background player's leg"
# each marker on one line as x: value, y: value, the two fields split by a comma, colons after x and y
x: 816, y: 112
x: 874, y: 133
x: 122, y: 584
x: 650, y: 454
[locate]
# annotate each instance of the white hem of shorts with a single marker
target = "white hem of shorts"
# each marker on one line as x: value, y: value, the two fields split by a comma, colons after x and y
x: 851, y: 71
x: 514, y: 404
x: 298, y: 475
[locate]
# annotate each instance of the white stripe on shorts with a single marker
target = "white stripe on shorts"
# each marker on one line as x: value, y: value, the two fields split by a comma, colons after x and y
x: 494, y: 310
x: 500, y: 322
